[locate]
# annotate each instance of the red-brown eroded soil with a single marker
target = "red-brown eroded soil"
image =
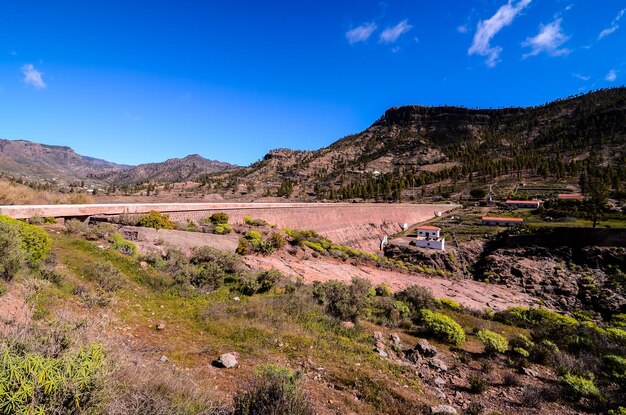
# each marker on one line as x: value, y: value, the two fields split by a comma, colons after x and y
x: 472, y: 294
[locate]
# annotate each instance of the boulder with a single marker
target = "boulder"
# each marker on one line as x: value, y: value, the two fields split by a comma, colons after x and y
x: 438, y: 364
x: 227, y: 360
x: 160, y: 326
x: 442, y: 410
x: 425, y: 348
x: 395, y: 339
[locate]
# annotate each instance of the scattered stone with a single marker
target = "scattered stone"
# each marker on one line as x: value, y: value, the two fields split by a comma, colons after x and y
x: 438, y: 364
x: 395, y: 339
x: 412, y: 356
x: 380, y: 345
x: 236, y: 299
x: 442, y: 410
x: 227, y: 360
x: 143, y: 265
x: 439, y: 381
x: 101, y: 247
x: 425, y: 348
x: 163, y: 359
x: 378, y: 336
x: 160, y: 326
x: 381, y: 352
x: 347, y: 324
x: 531, y: 373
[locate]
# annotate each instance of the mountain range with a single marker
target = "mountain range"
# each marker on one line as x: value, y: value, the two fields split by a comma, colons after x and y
x: 417, y: 138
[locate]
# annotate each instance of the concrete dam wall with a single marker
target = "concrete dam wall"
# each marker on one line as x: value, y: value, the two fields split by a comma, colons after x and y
x: 356, y: 224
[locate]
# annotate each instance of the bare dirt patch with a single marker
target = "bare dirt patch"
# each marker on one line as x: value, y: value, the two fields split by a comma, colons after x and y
x: 471, y: 294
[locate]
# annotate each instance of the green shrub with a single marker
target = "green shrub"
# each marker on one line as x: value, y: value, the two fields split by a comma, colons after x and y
x: 442, y: 327
x: 580, y: 387
x: 520, y: 340
x: 449, y: 304
x: 273, y: 390
x: 218, y: 218
x: 208, y: 276
x: 619, y: 320
x: 36, y: 220
x: 13, y: 257
x: 49, y: 220
x: 533, y: 317
x: 314, y: 246
x: 120, y: 244
x: 230, y: 262
x: 243, y: 247
x: 223, y: 229
x: 277, y: 240
x: 417, y: 297
x: 3, y: 288
x: 254, y: 237
x: 254, y: 222
x: 34, y: 384
x: 100, y: 230
x: 35, y: 241
x: 492, y: 341
x: 76, y: 227
x: 619, y: 411
x: 383, y: 290
x: 477, y: 384
x: 268, y: 279
x: 342, y: 301
x: 107, y: 276
x: 520, y: 351
x: 156, y: 220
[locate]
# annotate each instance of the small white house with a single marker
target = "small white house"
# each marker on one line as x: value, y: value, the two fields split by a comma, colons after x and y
x: 429, y: 237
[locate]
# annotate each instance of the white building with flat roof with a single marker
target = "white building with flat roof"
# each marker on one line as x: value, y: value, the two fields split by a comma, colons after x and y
x: 430, y: 237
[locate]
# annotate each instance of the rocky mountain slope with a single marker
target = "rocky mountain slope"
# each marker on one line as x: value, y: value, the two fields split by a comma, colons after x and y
x: 435, y: 139
x: 34, y: 161
x: 41, y: 162
x: 172, y: 170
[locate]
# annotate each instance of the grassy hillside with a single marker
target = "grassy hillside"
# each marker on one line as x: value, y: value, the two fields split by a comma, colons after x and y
x: 145, y: 333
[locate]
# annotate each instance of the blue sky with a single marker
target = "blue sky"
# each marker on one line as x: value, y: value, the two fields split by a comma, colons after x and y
x: 133, y: 83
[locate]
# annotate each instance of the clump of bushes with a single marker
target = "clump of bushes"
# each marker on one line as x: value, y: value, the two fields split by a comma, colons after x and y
x: 254, y: 222
x: 218, y: 218
x: 493, y: 342
x: 580, y: 387
x: 35, y: 384
x: 273, y: 390
x: 417, y: 297
x: 533, y: 317
x: 13, y: 256
x: 156, y: 220
x: 35, y: 241
x: 107, y: 276
x: 253, y: 241
x: 342, y: 301
x: 260, y: 282
x: 442, y: 327
x: 449, y: 304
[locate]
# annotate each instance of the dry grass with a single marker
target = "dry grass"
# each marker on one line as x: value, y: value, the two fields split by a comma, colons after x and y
x: 19, y: 194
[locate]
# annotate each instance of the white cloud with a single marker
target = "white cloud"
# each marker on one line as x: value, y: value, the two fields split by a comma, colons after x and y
x: 13, y: 53
x: 461, y: 28
x: 581, y: 76
x: 548, y: 40
x: 614, y: 25
x: 487, y: 29
x: 32, y: 76
x: 611, y: 76
x: 360, y: 33
x: 391, y: 34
